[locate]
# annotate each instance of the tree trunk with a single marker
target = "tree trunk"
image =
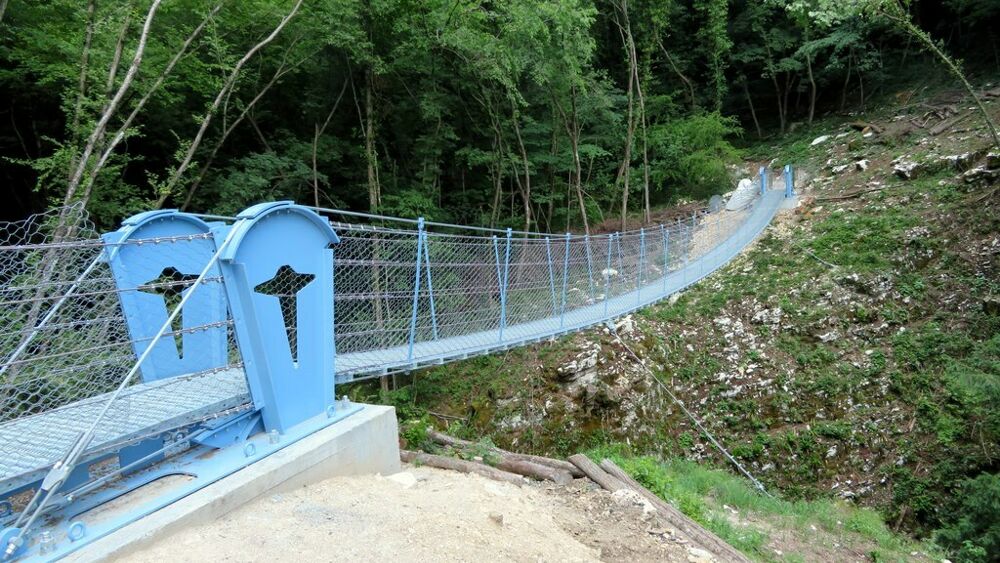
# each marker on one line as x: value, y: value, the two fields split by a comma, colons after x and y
x: 812, y: 88
x: 777, y: 87
x: 634, y: 64
x: 687, y: 82
x: 81, y: 92
x: 847, y: 79
x: 111, y: 108
x: 446, y: 440
x: 526, y: 187
x: 596, y: 474
x: 575, y: 142
x: 624, y: 171
x: 116, y: 59
x: 223, y: 94
x: 374, y: 195
x: 753, y: 111
x: 571, y: 122
x: 123, y: 130
x: 694, y: 531
x: 460, y: 465
x: 318, y: 132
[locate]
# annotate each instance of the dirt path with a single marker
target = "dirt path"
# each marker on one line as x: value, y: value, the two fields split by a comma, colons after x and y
x: 426, y: 514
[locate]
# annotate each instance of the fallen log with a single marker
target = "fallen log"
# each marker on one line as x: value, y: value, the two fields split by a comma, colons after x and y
x: 461, y: 465
x: 446, y: 440
x: 559, y: 464
x: 862, y: 125
x: 948, y: 124
x: 694, y: 531
x: 535, y: 470
x: 851, y: 194
x: 596, y: 474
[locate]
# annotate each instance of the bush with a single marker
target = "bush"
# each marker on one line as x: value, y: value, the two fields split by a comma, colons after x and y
x: 689, y: 155
x: 974, y: 533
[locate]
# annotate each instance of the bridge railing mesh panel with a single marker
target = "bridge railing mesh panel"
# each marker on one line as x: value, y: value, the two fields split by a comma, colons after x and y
x: 408, y: 298
x: 65, y: 345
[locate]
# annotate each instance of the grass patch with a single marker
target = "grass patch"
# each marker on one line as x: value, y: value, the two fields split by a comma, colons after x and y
x: 701, y: 493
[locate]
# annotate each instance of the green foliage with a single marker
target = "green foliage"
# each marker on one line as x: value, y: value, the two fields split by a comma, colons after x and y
x: 972, y: 531
x: 691, y: 154
x: 475, y: 113
x: 707, y: 496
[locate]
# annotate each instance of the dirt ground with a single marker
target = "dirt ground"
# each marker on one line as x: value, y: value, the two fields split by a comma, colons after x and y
x: 425, y: 514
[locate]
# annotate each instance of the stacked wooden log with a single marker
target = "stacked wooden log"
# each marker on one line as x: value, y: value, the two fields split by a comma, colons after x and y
x: 511, y: 467
x: 514, y: 468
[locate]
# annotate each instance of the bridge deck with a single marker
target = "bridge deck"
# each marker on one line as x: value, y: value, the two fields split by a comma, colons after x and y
x: 151, y: 408
x: 142, y: 410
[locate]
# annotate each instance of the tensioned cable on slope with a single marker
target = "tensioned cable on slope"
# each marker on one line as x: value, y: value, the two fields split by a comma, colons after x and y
x: 689, y: 414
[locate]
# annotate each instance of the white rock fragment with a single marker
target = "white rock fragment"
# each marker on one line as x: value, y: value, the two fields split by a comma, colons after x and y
x: 906, y: 169
x: 819, y: 140
x: 404, y: 478
x: 696, y: 555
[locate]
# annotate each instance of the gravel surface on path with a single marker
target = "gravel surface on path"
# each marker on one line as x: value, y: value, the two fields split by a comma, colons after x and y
x: 425, y: 514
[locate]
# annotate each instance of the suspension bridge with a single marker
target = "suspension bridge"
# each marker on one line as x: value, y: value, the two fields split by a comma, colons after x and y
x: 185, y: 343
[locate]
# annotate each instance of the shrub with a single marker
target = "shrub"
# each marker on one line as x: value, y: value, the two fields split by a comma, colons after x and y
x: 974, y: 532
x: 690, y: 155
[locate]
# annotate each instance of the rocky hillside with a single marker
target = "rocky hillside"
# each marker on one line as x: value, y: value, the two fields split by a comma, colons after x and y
x: 852, y: 352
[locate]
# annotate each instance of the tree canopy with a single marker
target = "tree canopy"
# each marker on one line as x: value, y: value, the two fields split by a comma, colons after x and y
x: 541, y: 114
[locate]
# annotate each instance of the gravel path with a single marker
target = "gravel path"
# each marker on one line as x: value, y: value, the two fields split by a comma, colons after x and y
x: 425, y: 514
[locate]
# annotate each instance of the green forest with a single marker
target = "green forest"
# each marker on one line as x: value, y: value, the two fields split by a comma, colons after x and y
x: 547, y: 115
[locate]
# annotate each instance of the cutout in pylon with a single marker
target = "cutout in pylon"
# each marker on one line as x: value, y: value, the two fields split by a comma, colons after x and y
x: 170, y: 285
x: 285, y: 285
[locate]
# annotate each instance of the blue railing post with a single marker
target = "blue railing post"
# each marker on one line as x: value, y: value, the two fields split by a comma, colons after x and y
x: 496, y: 257
x: 562, y: 313
x: 416, y: 289
x: 503, y: 291
x: 789, y: 181
x: 590, y: 267
x: 552, y: 277
x: 666, y: 256
x: 642, y: 260
x: 763, y: 180
x: 607, y: 277
x: 430, y: 283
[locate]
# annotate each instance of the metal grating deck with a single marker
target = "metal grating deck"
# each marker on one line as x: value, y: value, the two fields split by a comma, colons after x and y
x: 142, y: 410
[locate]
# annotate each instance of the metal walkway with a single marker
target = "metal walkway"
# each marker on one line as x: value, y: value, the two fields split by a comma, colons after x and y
x: 143, y: 410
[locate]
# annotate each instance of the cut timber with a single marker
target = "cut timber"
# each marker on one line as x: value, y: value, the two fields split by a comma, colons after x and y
x: 535, y: 470
x: 596, y: 474
x: 949, y: 123
x: 460, y: 465
x: 862, y: 125
x: 706, y: 539
x: 446, y: 440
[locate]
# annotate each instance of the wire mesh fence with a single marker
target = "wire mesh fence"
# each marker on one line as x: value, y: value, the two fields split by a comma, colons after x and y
x: 407, y: 298
x: 66, y: 342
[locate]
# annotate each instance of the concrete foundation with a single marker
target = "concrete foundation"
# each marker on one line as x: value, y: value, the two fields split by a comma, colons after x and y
x: 366, y: 442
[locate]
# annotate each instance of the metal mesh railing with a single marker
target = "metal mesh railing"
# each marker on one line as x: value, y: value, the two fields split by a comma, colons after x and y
x: 407, y: 298
x: 66, y: 346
